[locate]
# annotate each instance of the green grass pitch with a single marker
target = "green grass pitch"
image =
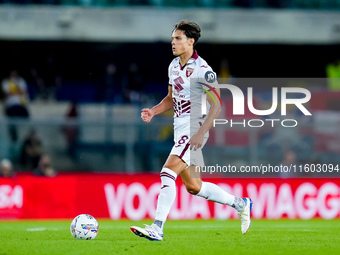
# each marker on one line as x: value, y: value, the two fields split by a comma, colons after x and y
x: 181, y: 237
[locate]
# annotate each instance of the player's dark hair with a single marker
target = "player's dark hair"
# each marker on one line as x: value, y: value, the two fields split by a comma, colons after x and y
x: 191, y: 29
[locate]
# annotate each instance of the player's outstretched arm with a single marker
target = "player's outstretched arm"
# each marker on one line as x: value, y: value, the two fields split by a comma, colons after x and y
x: 196, y: 140
x: 165, y: 105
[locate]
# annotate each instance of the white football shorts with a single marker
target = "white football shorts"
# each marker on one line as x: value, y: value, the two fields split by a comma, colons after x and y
x: 182, y: 147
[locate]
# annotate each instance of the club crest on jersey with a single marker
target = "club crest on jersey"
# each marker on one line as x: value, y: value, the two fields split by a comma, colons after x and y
x: 210, y: 76
x: 189, y: 71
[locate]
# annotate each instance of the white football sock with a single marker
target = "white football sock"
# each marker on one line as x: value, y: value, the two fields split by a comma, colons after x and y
x: 214, y: 193
x: 239, y: 204
x: 166, y: 198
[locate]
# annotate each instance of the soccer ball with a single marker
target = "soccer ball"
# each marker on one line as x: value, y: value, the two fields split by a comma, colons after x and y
x: 84, y: 226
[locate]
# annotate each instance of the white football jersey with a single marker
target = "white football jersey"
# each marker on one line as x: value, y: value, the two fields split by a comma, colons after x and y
x: 188, y: 85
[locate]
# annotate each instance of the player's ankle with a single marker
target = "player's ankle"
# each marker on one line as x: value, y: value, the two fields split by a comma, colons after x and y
x: 158, y: 225
x: 239, y: 204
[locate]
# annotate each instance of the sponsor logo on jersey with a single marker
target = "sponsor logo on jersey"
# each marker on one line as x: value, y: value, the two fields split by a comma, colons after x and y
x: 178, y: 87
x: 210, y: 76
x: 178, y: 95
x: 189, y: 71
x: 178, y: 81
x: 175, y: 73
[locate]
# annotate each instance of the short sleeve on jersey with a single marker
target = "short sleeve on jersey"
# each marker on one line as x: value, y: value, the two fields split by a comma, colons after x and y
x: 169, y: 71
x: 208, y: 76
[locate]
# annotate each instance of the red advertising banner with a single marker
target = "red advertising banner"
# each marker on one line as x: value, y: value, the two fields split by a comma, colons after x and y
x: 134, y: 197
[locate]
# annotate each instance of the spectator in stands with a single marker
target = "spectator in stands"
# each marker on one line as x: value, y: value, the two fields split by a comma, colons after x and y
x: 111, y: 91
x: 37, y: 83
x: 45, y: 167
x: 16, y: 99
x: 289, y: 160
x: 133, y: 81
x: 71, y: 130
x: 6, y: 168
x: 31, y: 150
x: 53, y: 77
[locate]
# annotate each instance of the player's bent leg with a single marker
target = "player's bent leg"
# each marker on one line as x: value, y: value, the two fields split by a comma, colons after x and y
x: 207, y: 190
x: 212, y: 192
x: 192, y: 183
x: 175, y: 163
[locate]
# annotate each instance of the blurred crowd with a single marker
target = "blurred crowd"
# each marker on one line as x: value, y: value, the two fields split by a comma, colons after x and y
x: 114, y: 85
x: 16, y: 99
x: 191, y: 3
x: 17, y: 93
x: 32, y: 158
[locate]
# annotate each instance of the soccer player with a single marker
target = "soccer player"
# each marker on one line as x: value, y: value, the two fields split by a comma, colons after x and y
x: 187, y: 150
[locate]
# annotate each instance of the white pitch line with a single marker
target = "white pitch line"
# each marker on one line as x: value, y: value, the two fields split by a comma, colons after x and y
x: 41, y: 229
x: 36, y: 229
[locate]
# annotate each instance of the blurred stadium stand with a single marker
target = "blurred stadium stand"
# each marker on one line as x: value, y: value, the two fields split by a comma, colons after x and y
x: 70, y: 46
x: 312, y: 4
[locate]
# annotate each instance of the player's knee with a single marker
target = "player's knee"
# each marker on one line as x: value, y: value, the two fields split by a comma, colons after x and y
x: 193, y: 188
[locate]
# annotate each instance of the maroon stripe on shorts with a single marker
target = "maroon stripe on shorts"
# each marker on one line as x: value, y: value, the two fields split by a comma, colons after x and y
x: 184, y: 150
x: 164, y: 174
